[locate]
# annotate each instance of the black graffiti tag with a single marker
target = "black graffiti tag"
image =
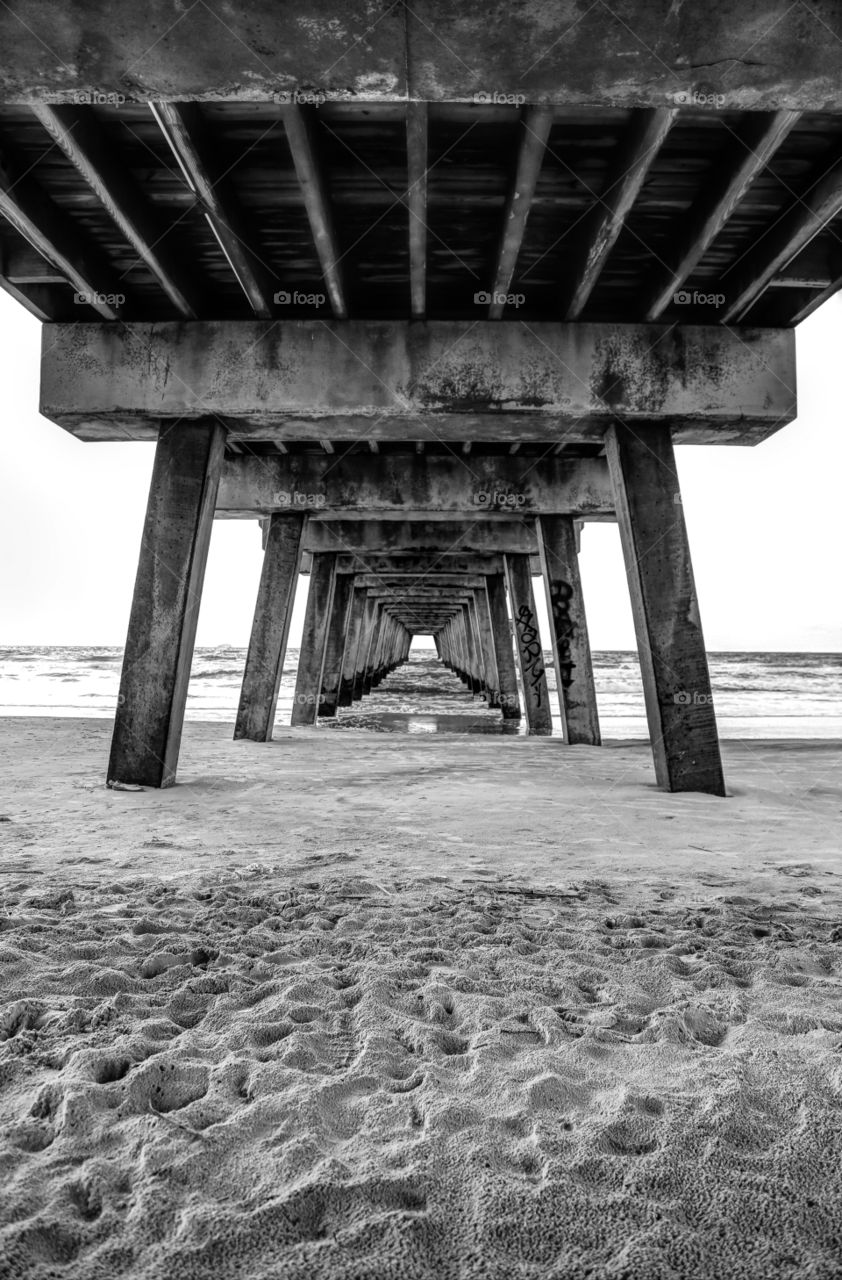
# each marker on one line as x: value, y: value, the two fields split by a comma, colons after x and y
x: 531, y: 654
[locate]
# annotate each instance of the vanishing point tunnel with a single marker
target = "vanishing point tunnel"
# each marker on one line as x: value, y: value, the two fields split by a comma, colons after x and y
x: 422, y: 293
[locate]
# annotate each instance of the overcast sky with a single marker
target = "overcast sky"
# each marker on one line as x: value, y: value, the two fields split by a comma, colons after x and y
x: 764, y: 525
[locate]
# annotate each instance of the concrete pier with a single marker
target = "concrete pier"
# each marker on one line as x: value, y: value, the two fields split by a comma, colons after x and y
x: 270, y: 629
x: 165, y: 605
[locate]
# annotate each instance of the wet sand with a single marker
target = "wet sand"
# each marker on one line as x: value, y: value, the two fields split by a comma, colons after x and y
x: 387, y: 1005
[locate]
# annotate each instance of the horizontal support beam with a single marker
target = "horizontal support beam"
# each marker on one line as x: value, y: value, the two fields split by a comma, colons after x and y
x: 485, y: 533
x: 396, y: 380
x: 757, y: 54
x: 382, y: 483
x: 433, y: 582
x: 407, y: 565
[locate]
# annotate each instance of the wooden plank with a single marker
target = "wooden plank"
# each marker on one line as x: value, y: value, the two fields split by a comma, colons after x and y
x: 75, y: 131
x: 536, y: 123
x: 300, y: 126
x: 311, y: 655
x: 723, y: 189
x: 530, y: 655
x: 270, y: 629
x: 46, y: 227
x: 165, y: 605
x: 182, y: 125
x: 569, y: 630
x: 635, y: 156
x: 416, y: 176
x: 38, y: 300
x: 676, y: 683
x: 25, y: 266
x: 774, y: 249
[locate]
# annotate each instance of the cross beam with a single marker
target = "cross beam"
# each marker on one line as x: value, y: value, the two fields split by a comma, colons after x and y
x: 443, y: 380
x: 434, y: 484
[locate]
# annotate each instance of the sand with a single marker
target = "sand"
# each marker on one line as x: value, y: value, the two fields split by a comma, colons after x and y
x: 358, y: 1005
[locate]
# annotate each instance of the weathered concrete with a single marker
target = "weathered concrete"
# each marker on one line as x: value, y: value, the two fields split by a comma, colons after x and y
x: 356, y: 617
x: 503, y: 649
x: 408, y: 565
x: 673, y: 662
x: 270, y: 629
x: 472, y: 535
x: 569, y: 630
x: 492, y: 380
x: 311, y: 657
x: 764, y: 53
x: 165, y: 605
x: 370, y: 614
x: 380, y: 483
x: 335, y: 645
x: 533, y: 676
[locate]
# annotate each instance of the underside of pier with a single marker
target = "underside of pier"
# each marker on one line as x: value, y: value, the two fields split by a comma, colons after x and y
x: 422, y: 292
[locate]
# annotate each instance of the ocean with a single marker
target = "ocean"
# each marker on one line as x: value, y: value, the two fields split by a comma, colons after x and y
x: 756, y: 695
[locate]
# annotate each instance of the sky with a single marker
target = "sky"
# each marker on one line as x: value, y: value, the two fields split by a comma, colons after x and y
x: 764, y: 525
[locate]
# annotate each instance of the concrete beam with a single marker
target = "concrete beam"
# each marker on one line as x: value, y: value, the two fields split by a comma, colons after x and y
x: 762, y: 53
x: 406, y: 565
x: 432, y: 484
x: 483, y: 381
x: 490, y: 533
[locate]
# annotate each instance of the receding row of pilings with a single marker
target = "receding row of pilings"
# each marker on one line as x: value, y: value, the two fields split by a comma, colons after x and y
x: 461, y: 576
x: 364, y: 608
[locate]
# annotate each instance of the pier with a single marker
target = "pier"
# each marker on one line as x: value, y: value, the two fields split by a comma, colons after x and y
x: 422, y: 311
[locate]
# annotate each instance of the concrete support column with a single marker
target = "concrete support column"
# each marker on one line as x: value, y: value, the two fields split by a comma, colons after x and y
x: 557, y: 546
x: 270, y: 629
x: 361, y: 672
x: 528, y: 645
x: 492, y: 680
x: 313, y: 639
x: 335, y: 644
x: 356, y: 615
x: 676, y: 681
x: 375, y: 640
x: 503, y: 649
x: 165, y: 605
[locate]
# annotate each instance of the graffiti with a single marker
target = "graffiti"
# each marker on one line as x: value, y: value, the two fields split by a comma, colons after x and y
x: 531, y: 654
x: 561, y: 596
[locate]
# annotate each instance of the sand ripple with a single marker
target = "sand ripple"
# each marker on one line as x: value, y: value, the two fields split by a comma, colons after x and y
x: 238, y: 1076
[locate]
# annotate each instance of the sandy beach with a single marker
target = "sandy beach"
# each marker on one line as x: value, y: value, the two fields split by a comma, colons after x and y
x: 362, y: 1005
